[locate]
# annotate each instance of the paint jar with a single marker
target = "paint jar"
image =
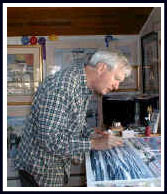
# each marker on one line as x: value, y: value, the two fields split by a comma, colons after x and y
x: 148, y: 130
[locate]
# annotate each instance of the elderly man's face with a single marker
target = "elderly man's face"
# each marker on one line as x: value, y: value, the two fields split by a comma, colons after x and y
x: 108, y: 80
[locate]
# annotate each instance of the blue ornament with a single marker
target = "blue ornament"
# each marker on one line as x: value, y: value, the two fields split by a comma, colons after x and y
x: 42, y: 41
x: 108, y: 39
x: 25, y: 40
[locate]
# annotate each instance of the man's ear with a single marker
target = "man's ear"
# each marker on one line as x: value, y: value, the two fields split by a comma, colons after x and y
x: 101, y: 67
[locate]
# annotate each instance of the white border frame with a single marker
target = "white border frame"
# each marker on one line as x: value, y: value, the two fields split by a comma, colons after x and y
x: 5, y: 5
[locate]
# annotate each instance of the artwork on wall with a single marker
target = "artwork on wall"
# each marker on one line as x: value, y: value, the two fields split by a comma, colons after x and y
x: 65, y: 57
x: 126, y: 50
x: 24, y: 70
x: 128, y: 47
x: 16, y: 120
x: 137, y: 164
x: 150, y: 67
x: 131, y: 83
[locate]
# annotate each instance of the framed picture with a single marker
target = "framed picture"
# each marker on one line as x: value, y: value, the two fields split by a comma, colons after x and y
x: 63, y: 57
x: 128, y: 47
x: 150, y: 67
x: 24, y: 70
x: 131, y: 83
x: 16, y: 119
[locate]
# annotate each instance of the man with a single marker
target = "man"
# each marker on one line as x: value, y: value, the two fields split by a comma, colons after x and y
x: 56, y: 131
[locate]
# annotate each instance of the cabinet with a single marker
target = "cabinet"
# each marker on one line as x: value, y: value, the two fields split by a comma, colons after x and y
x: 127, y: 109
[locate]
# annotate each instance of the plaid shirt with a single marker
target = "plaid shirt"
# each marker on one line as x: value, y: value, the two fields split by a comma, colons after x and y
x: 56, y: 130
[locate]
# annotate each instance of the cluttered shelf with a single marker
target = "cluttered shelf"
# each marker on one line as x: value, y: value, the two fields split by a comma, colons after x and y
x: 129, y: 109
x: 135, y: 131
x: 151, y: 135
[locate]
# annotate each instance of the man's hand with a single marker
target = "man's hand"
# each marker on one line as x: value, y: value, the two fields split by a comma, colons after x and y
x: 105, y: 141
x: 98, y: 133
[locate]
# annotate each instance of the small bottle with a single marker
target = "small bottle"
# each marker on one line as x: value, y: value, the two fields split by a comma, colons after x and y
x: 147, y: 127
x: 148, y: 131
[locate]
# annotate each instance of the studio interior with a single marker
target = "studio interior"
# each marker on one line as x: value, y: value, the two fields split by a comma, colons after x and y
x: 43, y: 40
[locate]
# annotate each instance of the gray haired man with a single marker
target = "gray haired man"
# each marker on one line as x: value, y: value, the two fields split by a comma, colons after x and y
x: 56, y: 130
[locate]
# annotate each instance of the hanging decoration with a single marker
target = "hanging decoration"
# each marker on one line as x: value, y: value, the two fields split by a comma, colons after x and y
x: 53, y: 37
x: 108, y: 38
x: 25, y: 40
x: 33, y: 40
x: 42, y: 42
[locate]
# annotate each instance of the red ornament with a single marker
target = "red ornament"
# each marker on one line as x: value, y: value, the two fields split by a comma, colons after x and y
x: 33, y: 40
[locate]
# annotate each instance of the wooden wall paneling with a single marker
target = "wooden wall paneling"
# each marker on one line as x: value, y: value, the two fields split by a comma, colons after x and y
x: 43, y: 21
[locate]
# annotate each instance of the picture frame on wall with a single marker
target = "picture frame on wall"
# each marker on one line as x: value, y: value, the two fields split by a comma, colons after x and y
x: 130, y: 83
x: 24, y: 72
x: 16, y: 122
x: 63, y: 57
x: 150, y: 63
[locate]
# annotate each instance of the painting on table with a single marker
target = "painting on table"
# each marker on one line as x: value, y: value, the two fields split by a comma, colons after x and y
x: 136, y: 163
